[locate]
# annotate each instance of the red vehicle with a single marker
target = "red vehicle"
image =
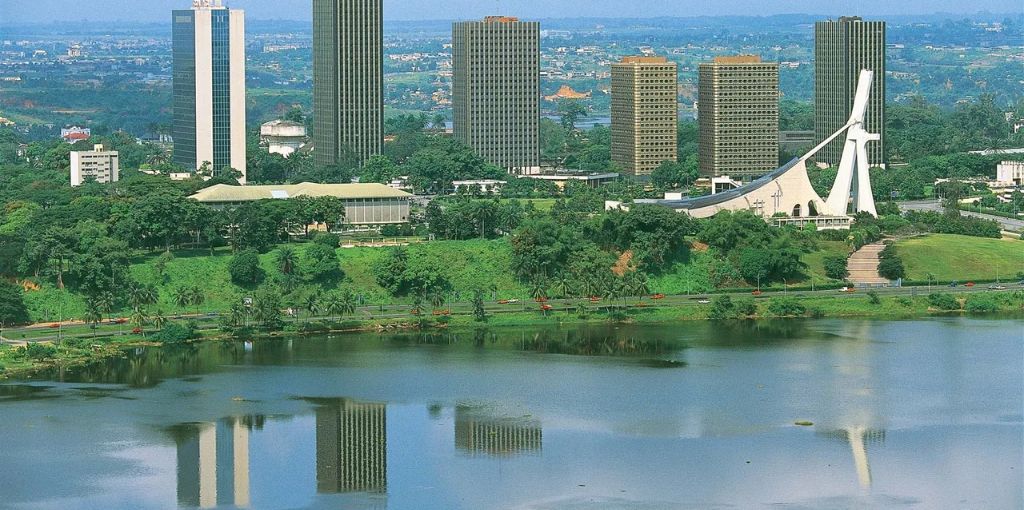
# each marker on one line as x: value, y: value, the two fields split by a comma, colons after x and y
x: 55, y: 325
x: 121, y: 321
x: 658, y: 296
x: 136, y: 331
x: 546, y: 308
x: 969, y: 284
x: 504, y: 302
x: 542, y: 299
x: 442, y: 312
x: 594, y: 299
x: 757, y: 293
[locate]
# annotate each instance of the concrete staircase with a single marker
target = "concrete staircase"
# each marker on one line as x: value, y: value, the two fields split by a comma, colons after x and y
x: 863, y: 267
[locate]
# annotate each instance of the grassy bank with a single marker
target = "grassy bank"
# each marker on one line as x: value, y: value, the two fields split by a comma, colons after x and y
x: 22, y: 361
x: 480, y: 264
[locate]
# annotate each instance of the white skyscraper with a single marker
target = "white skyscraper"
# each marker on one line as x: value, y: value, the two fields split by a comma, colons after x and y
x: 209, y: 87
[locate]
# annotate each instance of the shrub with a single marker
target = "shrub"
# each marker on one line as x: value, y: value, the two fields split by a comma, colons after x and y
x: 943, y: 301
x: 722, y: 308
x: 980, y: 305
x: 40, y: 352
x: 836, y: 267
x: 873, y: 298
x: 786, y: 307
x: 322, y: 263
x: 891, y: 265
x: 245, y: 268
x: 746, y: 308
x: 175, y: 333
x: 327, y: 239
x: 905, y: 301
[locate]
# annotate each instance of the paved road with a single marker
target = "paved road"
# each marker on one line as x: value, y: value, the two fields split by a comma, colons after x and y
x: 1008, y: 224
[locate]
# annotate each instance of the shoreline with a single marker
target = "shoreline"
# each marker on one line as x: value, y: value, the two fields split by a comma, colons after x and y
x: 80, y: 351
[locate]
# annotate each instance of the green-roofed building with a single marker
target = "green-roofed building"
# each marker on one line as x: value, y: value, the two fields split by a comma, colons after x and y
x: 365, y: 204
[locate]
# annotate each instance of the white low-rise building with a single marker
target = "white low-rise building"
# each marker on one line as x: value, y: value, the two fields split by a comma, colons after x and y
x: 1010, y: 172
x: 98, y: 164
x: 283, y: 137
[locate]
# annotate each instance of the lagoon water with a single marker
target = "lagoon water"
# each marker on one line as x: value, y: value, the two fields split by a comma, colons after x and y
x: 900, y: 414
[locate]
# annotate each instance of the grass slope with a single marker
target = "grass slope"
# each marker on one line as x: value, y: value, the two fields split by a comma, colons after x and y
x: 962, y: 258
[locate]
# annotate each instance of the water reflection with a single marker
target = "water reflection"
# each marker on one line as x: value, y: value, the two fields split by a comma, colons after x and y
x: 213, y: 462
x: 904, y: 413
x: 480, y: 432
x: 351, y: 446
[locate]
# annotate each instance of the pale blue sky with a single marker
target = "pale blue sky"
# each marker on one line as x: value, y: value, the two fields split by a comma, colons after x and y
x: 157, y: 10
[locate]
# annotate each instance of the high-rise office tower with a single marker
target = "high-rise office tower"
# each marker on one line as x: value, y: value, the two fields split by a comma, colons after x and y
x: 209, y: 87
x: 351, y: 447
x: 496, y: 90
x: 842, y: 49
x: 738, y: 117
x: 645, y: 113
x: 348, y: 81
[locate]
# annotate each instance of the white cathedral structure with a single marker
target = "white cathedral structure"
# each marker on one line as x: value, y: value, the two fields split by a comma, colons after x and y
x: 788, y: 190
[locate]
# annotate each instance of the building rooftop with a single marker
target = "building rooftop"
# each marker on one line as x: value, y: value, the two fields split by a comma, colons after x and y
x: 501, y: 19
x: 738, y: 59
x: 227, y: 193
x: 644, y: 60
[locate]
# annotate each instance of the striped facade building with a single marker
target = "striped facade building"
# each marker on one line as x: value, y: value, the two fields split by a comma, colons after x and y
x: 842, y: 49
x: 348, y: 81
x: 496, y: 90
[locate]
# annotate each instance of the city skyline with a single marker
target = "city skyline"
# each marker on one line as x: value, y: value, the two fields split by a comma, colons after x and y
x: 17, y: 11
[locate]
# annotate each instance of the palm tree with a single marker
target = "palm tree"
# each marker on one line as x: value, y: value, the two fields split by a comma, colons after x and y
x: 138, y: 320
x: 639, y: 285
x: 312, y: 304
x: 331, y: 304
x: 539, y: 290
x: 287, y: 259
x: 197, y: 297
x: 562, y: 285
x: 182, y: 297
x: 347, y: 303
x: 93, y: 314
x: 437, y: 298
x: 159, y: 320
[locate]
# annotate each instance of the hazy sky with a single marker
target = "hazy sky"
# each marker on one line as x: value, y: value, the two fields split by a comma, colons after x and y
x: 157, y: 10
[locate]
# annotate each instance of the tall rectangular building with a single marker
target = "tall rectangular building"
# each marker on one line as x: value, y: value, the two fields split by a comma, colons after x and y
x: 209, y: 87
x: 645, y: 113
x: 841, y: 50
x: 348, y: 81
x: 738, y: 117
x: 496, y: 90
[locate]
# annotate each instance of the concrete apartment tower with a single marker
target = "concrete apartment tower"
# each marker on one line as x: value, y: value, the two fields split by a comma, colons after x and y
x: 98, y: 165
x: 645, y: 113
x: 209, y: 86
x: 842, y: 49
x: 348, y: 81
x: 738, y: 117
x: 496, y: 90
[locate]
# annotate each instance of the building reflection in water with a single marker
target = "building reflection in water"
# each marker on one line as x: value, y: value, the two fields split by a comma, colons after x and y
x: 478, y: 432
x: 859, y: 438
x: 351, y: 446
x: 213, y: 462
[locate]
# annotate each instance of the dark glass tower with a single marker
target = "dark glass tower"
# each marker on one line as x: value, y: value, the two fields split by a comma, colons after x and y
x: 348, y: 81
x: 209, y: 87
x: 841, y: 50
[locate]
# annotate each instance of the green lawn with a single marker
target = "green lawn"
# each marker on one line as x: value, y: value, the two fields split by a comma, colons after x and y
x: 952, y: 257
x: 816, y: 261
